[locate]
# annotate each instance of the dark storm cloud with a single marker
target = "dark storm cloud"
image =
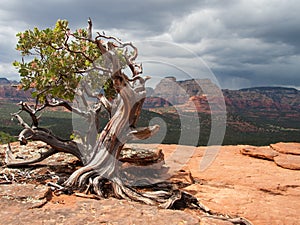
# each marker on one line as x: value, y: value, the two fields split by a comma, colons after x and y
x: 245, y: 43
x: 141, y: 19
x: 153, y: 16
x: 257, y: 38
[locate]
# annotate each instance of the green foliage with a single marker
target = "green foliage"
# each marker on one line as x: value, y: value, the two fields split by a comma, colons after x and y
x: 6, y: 138
x: 61, y: 124
x: 109, y: 91
x: 55, y: 60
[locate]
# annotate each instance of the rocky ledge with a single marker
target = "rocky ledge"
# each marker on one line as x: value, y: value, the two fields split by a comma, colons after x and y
x: 234, y: 184
x: 285, y: 155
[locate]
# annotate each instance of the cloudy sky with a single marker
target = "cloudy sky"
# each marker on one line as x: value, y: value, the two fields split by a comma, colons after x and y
x: 236, y: 43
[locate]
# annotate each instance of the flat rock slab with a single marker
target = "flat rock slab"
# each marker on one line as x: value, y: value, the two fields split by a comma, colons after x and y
x: 29, y: 195
x: 287, y: 148
x: 141, y: 156
x: 288, y: 161
x: 234, y: 184
x: 260, y: 152
x: 71, y: 210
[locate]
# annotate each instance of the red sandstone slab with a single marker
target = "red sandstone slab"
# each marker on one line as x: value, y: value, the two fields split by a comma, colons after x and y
x: 287, y: 148
x: 260, y: 152
x: 288, y: 161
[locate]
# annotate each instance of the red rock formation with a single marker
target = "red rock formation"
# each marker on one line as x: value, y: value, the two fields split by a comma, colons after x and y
x: 9, y: 93
x: 233, y: 184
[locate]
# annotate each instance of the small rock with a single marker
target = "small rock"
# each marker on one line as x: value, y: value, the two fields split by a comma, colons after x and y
x: 141, y: 156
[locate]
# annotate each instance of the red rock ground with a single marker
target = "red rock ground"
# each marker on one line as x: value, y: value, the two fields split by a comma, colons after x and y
x: 234, y: 184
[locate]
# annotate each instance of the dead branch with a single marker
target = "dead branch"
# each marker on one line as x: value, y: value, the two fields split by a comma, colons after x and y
x: 14, y: 163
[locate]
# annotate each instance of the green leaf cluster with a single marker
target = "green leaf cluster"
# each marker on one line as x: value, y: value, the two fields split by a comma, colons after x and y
x: 54, y: 60
x: 109, y: 91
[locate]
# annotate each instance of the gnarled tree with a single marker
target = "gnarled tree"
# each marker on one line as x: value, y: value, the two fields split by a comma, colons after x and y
x: 67, y: 69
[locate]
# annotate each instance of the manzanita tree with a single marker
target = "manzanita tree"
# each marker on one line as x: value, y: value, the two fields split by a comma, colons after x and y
x: 67, y: 69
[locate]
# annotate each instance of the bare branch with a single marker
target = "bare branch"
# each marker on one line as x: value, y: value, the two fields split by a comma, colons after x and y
x: 21, y: 121
x: 89, y: 29
x: 80, y: 93
x: 88, y: 90
x: 107, y: 104
x: 14, y: 163
x: 56, y: 103
x: 109, y: 37
x: 8, y: 154
x: 32, y: 112
x: 143, y: 132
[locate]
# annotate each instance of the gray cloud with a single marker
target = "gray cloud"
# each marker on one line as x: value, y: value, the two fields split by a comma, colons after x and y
x: 245, y: 43
x: 150, y: 16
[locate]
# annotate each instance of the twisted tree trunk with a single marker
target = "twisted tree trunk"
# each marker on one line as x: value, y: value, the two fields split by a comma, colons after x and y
x: 104, y: 164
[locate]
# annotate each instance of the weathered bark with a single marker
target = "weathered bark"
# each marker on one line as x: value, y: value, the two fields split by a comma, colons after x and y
x: 105, y: 165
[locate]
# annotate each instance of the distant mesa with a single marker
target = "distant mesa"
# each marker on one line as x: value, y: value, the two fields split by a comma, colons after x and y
x: 271, y: 89
x: 187, y: 95
x: 179, y: 92
x: 4, y: 81
x: 191, y: 95
x: 184, y: 89
x: 9, y: 93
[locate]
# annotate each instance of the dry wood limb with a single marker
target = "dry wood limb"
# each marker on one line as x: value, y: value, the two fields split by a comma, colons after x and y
x: 5, y: 182
x: 234, y: 220
x: 54, y: 185
x: 44, y: 155
x: 82, y: 195
x: 41, y: 134
x: 56, y: 103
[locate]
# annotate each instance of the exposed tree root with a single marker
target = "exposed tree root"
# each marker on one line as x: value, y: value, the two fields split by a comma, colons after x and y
x: 163, y: 195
